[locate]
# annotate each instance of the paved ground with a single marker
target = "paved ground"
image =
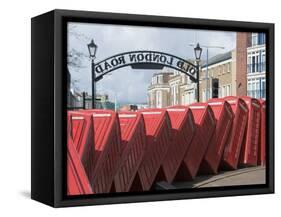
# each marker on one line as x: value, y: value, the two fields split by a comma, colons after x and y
x: 244, y: 176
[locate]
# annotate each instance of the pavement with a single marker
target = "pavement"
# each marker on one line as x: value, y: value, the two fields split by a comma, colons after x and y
x: 243, y: 176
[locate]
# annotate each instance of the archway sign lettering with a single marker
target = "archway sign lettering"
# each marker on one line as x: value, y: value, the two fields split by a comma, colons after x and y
x: 145, y: 60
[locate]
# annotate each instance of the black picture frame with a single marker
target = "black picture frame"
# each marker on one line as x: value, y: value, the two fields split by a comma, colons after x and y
x: 48, y: 107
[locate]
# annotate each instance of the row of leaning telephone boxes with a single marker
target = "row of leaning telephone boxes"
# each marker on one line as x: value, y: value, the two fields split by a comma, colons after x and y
x: 111, y: 151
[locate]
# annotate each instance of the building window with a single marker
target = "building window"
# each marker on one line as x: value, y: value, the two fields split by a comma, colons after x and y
x: 219, y: 70
x: 225, y: 68
x: 256, y: 87
x: 158, y: 99
x: 223, y: 91
x: 188, y: 97
x: 228, y: 67
x: 258, y: 39
x: 263, y: 61
x: 261, y: 38
x: 249, y: 87
x: 174, y: 94
x: 249, y: 64
x: 254, y: 39
x: 253, y: 64
x: 263, y: 88
x: 203, y: 95
x: 256, y: 61
x: 228, y: 92
x: 160, y: 81
x: 174, y: 91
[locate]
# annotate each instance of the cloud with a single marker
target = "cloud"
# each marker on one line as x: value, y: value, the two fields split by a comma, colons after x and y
x: 131, y: 85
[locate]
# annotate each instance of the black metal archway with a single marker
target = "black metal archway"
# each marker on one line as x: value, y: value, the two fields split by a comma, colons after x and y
x: 143, y: 59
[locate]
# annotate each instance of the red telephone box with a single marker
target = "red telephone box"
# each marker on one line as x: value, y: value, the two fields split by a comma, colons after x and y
x: 205, y: 126
x: 182, y: 131
x: 224, y: 117
x: 133, y: 144
x: 249, y: 151
x: 232, y: 149
x: 158, y: 129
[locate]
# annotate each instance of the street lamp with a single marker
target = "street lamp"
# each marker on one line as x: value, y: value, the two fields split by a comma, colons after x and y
x: 197, y: 52
x: 92, y: 47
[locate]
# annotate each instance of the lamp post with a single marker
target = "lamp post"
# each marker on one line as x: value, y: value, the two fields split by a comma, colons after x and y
x: 207, y: 69
x: 197, y: 52
x: 207, y: 66
x: 92, y: 47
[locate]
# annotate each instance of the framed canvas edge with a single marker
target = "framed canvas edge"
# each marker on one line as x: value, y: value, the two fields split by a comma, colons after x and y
x: 59, y: 197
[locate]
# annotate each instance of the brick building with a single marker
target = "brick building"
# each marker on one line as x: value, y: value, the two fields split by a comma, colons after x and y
x: 241, y: 63
x: 228, y: 69
x: 220, y: 68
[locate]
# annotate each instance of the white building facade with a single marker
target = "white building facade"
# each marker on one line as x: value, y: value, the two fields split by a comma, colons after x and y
x: 170, y: 88
x: 159, y: 90
x: 256, y: 66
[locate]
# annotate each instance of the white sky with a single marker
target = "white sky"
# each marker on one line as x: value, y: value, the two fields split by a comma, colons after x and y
x: 130, y: 86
